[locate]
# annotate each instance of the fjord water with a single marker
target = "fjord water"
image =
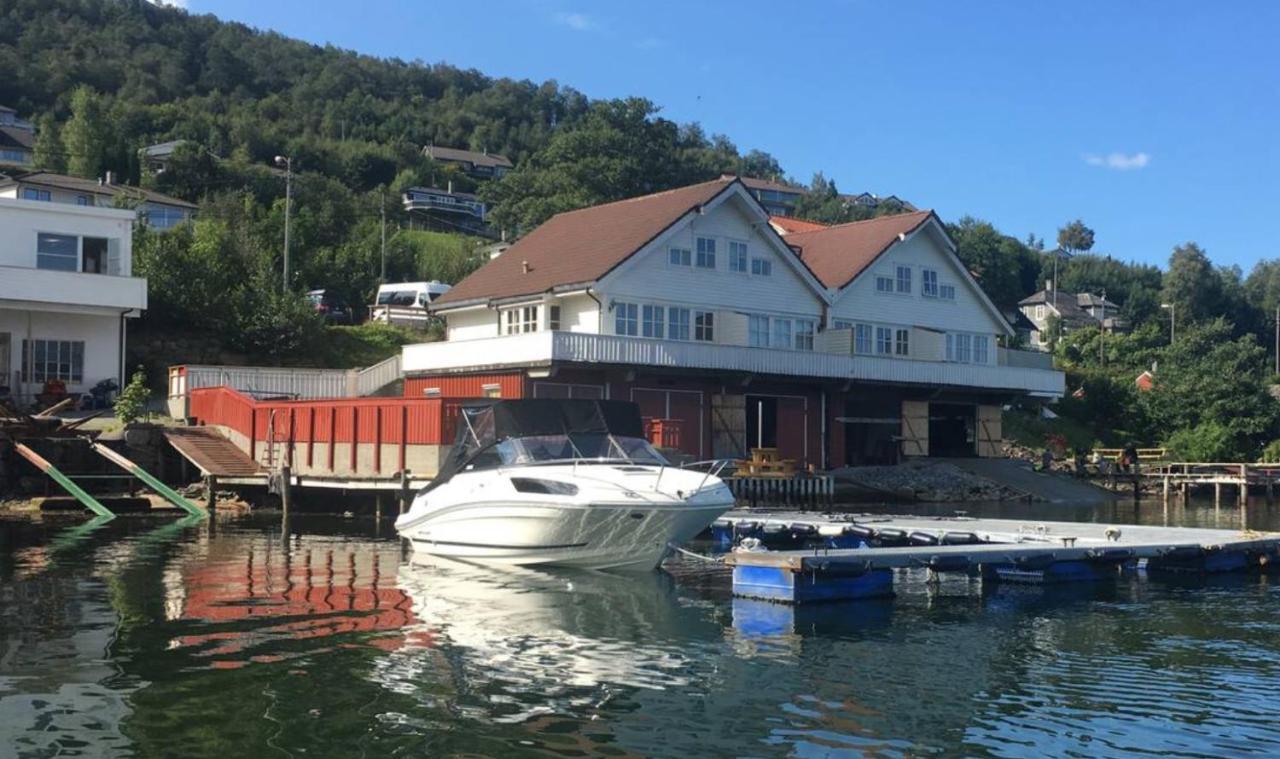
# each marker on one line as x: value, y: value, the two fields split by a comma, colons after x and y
x: 152, y: 637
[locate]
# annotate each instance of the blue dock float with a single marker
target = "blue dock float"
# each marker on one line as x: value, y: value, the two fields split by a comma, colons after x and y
x: 995, y: 550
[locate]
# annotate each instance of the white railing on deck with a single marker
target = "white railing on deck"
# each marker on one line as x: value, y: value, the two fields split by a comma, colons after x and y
x: 371, y: 379
x: 544, y: 348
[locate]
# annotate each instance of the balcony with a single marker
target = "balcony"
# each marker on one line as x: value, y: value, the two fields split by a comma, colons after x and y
x: 423, y: 201
x: 44, y: 289
x: 540, y: 349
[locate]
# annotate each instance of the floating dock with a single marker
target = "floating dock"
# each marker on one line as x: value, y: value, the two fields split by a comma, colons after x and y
x: 844, y: 557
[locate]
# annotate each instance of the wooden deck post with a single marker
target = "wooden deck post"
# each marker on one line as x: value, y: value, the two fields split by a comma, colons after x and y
x: 1166, y: 488
x: 211, y: 492
x: 404, y: 490
x: 1217, y: 494
x: 286, y: 489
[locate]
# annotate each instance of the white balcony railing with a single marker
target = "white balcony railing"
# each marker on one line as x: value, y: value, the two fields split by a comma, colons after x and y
x: 69, y: 288
x: 544, y: 348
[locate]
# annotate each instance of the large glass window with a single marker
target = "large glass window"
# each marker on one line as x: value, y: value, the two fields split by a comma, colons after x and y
x: 704, y: 326
x: 31, y: 193
x: 758, y: 331
x: 960, y: 348
x: 781, y: 333
x: 651, y: 321
x: 929, y: 283
x: 44, y: 360
x: 57, y: 252
x: 902, y: 342
x: 679, y: 323
x: 706, y: 253
x: 737, y: 256
x: 626, y: 319
x: 862, y: 339
x: 805, y: 329
x: 884, y: 341
x: 981, y: 349
x: 519, y: 320
x: 904, y: 279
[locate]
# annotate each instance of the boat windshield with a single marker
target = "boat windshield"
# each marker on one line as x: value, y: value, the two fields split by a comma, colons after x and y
x: 537, y: 449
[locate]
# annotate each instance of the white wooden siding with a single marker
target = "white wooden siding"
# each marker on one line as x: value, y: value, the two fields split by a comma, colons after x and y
x: 472, y: 324
x: 579, y: 313
x: 967, y: 313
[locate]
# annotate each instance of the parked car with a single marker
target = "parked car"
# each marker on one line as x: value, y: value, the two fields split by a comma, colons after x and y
x: 405, y: 303
x: 330, y: 306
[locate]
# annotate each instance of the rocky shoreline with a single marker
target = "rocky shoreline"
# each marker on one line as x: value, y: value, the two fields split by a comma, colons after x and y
x: 926, y: 482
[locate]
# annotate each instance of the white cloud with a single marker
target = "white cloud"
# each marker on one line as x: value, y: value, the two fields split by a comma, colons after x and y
x: 172, y: 3
x: 1119, y: 161
x: 579, y: 22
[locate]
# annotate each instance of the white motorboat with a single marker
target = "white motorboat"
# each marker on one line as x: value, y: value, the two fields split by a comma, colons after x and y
x: 559, y: 483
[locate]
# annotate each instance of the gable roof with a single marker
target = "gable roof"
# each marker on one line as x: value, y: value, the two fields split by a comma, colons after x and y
x: 578, y: 247
x: 1067, y: 305
x: 839, y: 254
x: 787, y: 225
x: 766, y: 184
x: 16, y: 138
x: 91, y: 187
x: 472, y: 157
x: 162, y: 149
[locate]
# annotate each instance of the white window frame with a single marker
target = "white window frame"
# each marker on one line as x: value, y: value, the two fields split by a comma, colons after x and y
x: 73, y: 375
x: 781, y: 333
x: 519, y: 320
x: 863, y: 339
x: 982, y: 356
x: 739, y: 257
x: 947, y: 291
x: 553, y: 318
x: 705, y: 255
x: 677, y: 256
x: 626, y: 319
x: 678, y: 321
x: 1040, y: 312
x: 902, y: 342
x: 929, y: 283
x: 805, y: 330
x: 653, y: 320
x: 758, y: 330
x: 884, y: 284
x: 704, y: 326
x: 79, y: 255
x: 761, y: 267
x: 884, y: 341
x: 902, y: 279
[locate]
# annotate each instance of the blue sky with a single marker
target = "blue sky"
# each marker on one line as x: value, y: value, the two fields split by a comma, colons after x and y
x: 1155, y: 122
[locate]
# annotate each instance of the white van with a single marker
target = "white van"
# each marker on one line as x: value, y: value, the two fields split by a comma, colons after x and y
x: 406, y: 303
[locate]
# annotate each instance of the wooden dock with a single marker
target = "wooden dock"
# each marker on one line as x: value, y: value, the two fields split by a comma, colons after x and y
x: 1181, y: 479
x: 998, y: 550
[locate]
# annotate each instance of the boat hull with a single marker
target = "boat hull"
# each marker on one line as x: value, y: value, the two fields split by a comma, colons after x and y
x: 624, y: 536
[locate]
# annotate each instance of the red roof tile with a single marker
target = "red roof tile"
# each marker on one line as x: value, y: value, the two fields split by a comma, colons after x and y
x: 581, y: 246
x: 790, y: 225
x: 838, y: 254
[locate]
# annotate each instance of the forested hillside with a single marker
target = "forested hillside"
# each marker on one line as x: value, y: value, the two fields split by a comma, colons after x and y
x: 104, y: 78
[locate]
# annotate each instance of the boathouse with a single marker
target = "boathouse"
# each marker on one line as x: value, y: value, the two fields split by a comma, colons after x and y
x: 853, y: 344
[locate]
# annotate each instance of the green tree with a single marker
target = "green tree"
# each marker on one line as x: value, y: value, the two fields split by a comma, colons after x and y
x: 131, y: 403
x: 87, y: 136
x: 1000, y: 263
x: 1075, y: 237
x: 1191, y: 284
x: 49, y: 152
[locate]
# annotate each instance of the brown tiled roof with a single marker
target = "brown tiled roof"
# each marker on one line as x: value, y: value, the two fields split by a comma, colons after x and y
x: 92, y: 187
x: 473, y: 157
x: 789, y: 225
x: 581, y: 246
x: 838, y: 254
x: 18, y: 138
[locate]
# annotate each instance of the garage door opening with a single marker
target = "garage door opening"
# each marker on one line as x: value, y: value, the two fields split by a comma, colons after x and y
x: 871, y: 430
x: 762, y: 422
x: 952, y: 430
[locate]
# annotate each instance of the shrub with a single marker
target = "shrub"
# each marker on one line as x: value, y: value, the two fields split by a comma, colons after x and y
x: 1208, y: 441
x: 131, y: 403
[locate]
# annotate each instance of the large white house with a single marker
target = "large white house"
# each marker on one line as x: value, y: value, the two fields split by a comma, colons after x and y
x: 849, y: 344
x: 65, y: 292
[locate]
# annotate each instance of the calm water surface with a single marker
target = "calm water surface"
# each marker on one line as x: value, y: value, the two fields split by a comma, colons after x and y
x: 151, y: 637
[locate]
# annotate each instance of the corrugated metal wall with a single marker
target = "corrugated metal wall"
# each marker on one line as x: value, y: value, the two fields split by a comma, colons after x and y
x: 510, y: 385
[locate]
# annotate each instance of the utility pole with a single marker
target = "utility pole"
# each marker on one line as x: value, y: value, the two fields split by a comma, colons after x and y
x: 287, y: 163
x: 1102, y: 332
x: 382, y: 279
x: 1278, y: 339
x: 1172, y: 320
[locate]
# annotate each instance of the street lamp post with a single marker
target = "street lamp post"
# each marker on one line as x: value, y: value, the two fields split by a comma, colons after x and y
x: 1172, y: 322
x: 287, y: 163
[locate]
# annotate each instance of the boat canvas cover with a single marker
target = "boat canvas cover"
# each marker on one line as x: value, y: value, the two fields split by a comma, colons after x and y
x: 483, y: 424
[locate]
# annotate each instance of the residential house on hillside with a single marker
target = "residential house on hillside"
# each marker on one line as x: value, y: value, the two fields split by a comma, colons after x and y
x: 447, y: 210
x: 855, y: 343
x: 156, y: 157
x: 870, y: 200
x: 66, y: 288
x: 777, y: 198
x: 154, y: 209
x: 1072, y: 310
x: 17, y: 138
x: 481, y: 165
x: 785, y: 225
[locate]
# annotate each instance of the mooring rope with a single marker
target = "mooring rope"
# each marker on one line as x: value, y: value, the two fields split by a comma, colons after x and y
x: 695, y: 555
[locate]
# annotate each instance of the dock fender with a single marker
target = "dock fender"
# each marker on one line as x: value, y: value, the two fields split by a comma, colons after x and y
x: 1182, y: 553
x: 948, y: 563
x: 1035, y: 563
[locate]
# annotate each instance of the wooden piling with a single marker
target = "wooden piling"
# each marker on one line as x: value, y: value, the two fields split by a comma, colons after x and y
x: 286, y: 489
x: 211, y: 492
x: 404, y: 490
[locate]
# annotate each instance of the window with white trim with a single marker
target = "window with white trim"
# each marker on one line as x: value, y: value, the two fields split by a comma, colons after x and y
x: 1040, y: 312
x: 678, y: 322
x: 737, y: 256
x: 947, y: 292
x: 960, y: 347
x: 862, y: 339
x: 521, y: 319
x: 884, y: 341
x: 781, y: 334
x: 44, y: 360
x: 902, y: 342
x: 929, y: 283
x: 626, y: 319
x: 706, y: 253
x: 31, y: 193
x: 652, y: 319
x: 761, y: 267
x: 553, y: 317
x: 903, y: 284
x: 981, y: 349
x: 758, y: 331
x: 884, y: 284
x: 805, y: 329
x: 680, y: 257
x: 704, y: 326
x: 841, y: 324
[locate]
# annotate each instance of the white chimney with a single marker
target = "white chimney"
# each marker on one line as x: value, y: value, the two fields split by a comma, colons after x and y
x: 1048, y: 285
x: 525, y: 266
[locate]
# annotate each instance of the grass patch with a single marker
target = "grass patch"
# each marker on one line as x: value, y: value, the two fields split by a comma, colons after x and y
x: 366, y: 344
x: 1028, y: 429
